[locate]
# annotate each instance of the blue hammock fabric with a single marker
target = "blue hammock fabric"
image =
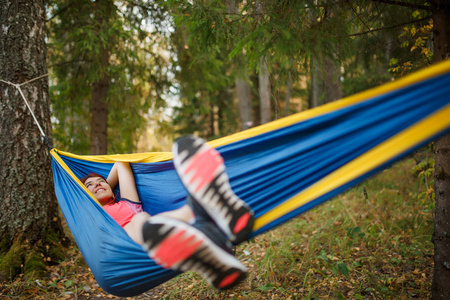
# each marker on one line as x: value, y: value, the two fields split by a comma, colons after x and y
x: 281, y: 170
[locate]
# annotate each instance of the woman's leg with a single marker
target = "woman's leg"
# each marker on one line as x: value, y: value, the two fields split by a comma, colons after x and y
x: 134, y: 228
x: 183, y: 213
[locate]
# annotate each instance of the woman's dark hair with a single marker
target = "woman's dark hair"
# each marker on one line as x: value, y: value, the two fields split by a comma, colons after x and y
x: 83, y: 180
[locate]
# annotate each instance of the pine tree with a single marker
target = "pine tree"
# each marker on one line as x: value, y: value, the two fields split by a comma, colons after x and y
x: 108, y: 70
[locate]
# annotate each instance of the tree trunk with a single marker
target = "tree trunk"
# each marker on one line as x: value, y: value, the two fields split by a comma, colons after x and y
x: 325, y: 81
x: 242, y: 86
x: 264, y: 91
x: 243, y: 91
x: 99, y: 112
x: 441, y: 235
x: 316, y: 92
x: 287, y: 99
x: 388, y: 47
x: 332, y: 82
x: 263, y: 78
x: 212, y: 118
x: 99, y: 106
x: 29, y: 222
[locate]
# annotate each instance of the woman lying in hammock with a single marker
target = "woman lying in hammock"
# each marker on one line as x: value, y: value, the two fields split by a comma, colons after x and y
x: 194, y: 237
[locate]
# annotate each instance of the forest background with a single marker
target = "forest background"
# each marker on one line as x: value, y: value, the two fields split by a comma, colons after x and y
x: 128, y: 76
x: 125, y: 71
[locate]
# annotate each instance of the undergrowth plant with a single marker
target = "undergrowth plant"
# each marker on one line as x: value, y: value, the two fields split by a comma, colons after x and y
x: 371, y: 242
x: 424, y: 170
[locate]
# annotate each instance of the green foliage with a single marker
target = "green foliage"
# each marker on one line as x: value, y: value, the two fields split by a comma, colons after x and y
x: 207, y: 46
x: 334, y: 264
x: 216, y: 44
x: 81, y: 34
x: 205, y: 103
x: 361, y: 37
x: 358, y: 79
x: 416, y: 40
x: 355, y: 232
x: 378, y: 42
x: 424, y: 170
x: 282, y: 31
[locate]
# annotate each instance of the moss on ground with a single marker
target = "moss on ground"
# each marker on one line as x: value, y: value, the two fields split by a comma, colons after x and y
x: 34, y: 266
x: 11, y: 260
x: 55, y: 250
x: 19, y: 257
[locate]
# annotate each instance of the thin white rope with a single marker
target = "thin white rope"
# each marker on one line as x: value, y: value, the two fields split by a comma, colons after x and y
x: 42, y: 76
x: 26, y: 102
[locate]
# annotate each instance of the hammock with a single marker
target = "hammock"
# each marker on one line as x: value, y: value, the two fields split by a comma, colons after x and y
x: 281, y: 169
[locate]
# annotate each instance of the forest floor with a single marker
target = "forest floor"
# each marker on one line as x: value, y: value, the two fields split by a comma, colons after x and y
x: 372, y: 242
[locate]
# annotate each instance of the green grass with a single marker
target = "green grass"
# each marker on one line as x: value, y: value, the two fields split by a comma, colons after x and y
x: 372, y: 242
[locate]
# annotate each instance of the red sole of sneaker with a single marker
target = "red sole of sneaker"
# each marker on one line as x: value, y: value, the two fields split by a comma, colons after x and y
x: 204, y: 166
x: 176, y: 248
x: 230, y: 279
x: 241, y: 223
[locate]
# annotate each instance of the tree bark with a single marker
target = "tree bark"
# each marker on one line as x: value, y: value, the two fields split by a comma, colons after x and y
x: 29, y: 211
x: 243, y: 91
x: 212, y: 119
x: 325, y: 81
x: 243, y: 88
x: 263, y: 78
x: 287, y: 98
x: 315, y: 94
x: 441, y: 235
x: 99, y: 111
x: 264, y: 91
x: 99, y: 105
x: 332, y: 82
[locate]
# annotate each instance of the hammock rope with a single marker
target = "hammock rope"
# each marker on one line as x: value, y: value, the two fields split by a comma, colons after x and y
x: 44, y: 136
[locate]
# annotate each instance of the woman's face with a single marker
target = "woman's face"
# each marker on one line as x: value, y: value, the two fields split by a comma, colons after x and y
x: 100, y: 189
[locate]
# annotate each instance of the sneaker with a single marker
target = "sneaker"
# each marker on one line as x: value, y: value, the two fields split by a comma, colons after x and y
x: 205, y: 224
x: 202, y: 171
x: 176, y: 245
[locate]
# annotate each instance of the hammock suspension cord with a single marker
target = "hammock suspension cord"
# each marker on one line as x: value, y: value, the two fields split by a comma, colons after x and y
x: 44, y: 136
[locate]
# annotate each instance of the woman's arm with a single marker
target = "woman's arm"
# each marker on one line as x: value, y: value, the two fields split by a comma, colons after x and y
x: 121, y: 173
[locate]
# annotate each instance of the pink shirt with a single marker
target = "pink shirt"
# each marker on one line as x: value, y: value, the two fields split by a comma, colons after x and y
x: 123, y: 211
